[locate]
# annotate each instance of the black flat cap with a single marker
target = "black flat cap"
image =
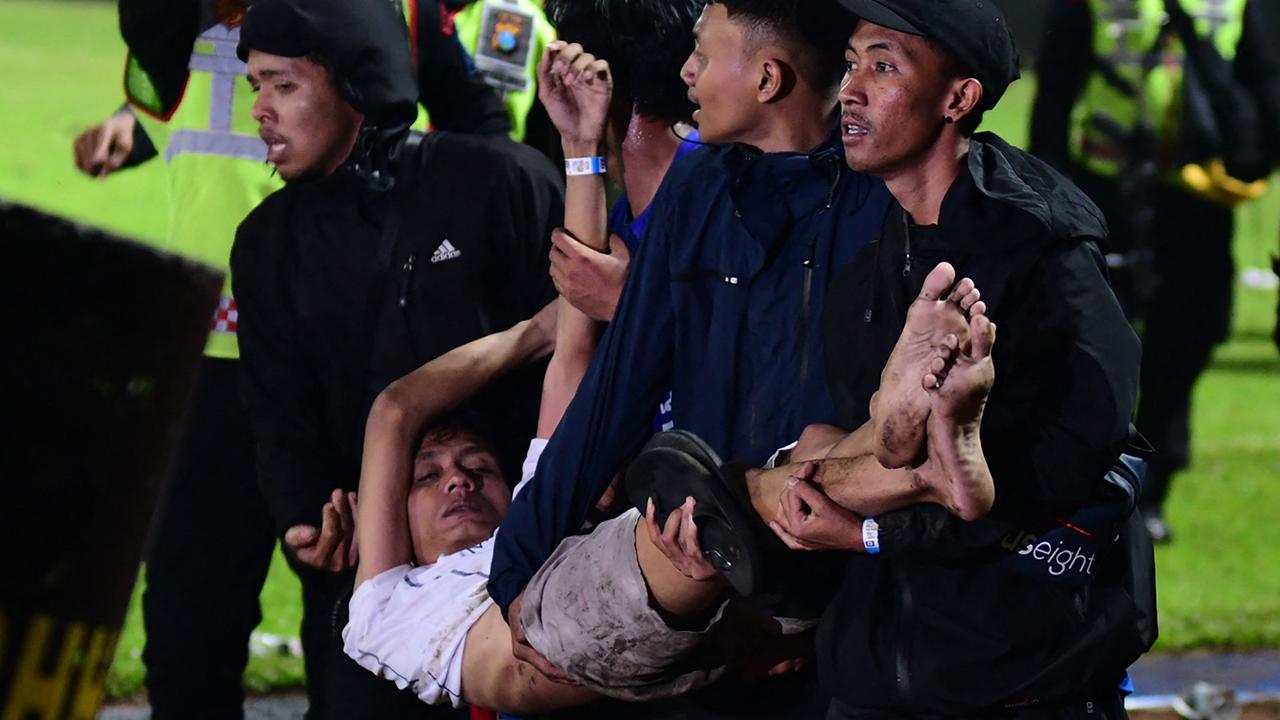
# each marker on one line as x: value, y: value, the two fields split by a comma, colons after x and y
x: 975, y: 30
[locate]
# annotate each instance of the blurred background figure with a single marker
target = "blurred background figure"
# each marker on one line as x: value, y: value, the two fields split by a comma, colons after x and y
x: 1167, y: 113
x: 211, y: 540
x: 506, y: 38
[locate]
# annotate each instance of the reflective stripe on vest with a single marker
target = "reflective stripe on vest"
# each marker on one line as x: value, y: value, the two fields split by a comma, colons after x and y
x: 225, y: 70
x: 223, y: 144
x: 1137, y: 77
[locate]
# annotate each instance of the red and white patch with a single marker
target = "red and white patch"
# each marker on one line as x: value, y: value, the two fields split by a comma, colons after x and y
x: 226, y: 317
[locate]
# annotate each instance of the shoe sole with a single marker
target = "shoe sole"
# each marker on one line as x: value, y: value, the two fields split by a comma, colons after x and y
x: 676, y: 465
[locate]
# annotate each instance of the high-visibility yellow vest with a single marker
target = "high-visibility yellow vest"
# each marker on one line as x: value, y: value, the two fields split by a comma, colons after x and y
x: 1130, y: 39
x: 494, y: 32
x: 217, y: 169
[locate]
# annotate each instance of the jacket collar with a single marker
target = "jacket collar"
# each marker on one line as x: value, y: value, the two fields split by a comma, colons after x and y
x: 772, y: 191
x: 1007, y: 198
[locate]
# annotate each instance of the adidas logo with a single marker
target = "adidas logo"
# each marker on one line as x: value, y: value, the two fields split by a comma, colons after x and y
x: 446, y: 251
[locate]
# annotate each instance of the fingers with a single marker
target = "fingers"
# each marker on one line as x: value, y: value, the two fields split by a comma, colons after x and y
x: 597, y: 72
x: 610, y: 494
x: 300, y: 537
x: 688, y: 532
x: 101, y: 152
x: 524, y: 651
x: 353, y: 539
x: 84, y: 147
x: 323, y: 551
x: 791, y: 541
x: 808, y: 494
x: 618, y: 248
x: 651, y: 524
x: 671, y: 531
x: 564, y: 243
x: 346, y: 519
x: 548, y: 57
x: 527, y: 653
x: 568, y: 63
x: 793, y: 510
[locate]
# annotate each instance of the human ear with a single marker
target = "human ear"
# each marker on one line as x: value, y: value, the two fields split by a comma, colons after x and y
x: 776, y: 78
x: 963, y: 100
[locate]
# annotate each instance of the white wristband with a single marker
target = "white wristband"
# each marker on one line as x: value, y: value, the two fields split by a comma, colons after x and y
x: 871, y: 535
x: 585, y: 166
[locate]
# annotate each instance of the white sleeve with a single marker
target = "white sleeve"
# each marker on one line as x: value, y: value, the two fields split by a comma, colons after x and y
x: 367, y: 607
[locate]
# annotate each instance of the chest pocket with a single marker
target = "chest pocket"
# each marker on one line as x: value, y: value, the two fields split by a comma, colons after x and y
x: 441, y: 282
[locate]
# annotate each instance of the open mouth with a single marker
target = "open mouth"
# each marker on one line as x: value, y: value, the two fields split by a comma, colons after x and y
x: 276, y: 145
x: 853, y: 126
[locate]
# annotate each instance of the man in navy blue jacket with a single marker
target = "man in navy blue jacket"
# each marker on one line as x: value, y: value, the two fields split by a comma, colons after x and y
x: 723, y: 300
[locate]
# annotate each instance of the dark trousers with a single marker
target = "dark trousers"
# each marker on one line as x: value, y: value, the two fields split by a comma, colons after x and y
x: 1186, y: 313
x: 207, y: 557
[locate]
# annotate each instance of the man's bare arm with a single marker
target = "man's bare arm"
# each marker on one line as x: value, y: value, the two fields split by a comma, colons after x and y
x: 401, y: 410
x: 575, y: 87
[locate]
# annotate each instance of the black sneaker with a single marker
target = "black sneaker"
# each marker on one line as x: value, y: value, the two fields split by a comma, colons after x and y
x: 676, y: 465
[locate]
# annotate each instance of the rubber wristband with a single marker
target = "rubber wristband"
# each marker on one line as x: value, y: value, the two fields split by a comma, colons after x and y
x: 585, y: 166
x: 871, y: 535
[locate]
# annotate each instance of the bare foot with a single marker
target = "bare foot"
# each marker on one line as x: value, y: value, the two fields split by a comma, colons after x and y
x: 957, y: 400
x: 900, y: 408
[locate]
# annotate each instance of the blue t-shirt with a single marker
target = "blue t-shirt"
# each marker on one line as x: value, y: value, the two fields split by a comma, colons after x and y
x: 631, y: 230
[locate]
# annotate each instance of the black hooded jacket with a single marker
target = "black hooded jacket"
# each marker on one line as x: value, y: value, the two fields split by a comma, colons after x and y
x: 411, y: 248
x: 951, y: 617
x: 335, y: 304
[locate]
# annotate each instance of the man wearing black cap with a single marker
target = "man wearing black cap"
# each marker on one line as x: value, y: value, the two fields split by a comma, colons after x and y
x: 1033, y: 610
x: 384, y: 250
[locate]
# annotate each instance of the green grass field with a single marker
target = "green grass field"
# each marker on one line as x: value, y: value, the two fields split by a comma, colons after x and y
x: 1218, y: 584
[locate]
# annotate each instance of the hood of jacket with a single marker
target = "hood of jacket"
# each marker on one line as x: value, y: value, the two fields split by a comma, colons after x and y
x: 365, y: 46
x: 1009, y: 197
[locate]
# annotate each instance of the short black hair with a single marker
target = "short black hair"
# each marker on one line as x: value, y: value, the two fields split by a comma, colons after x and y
x: 476, y: 426
x: 775, y: 20
x: 646, y: 43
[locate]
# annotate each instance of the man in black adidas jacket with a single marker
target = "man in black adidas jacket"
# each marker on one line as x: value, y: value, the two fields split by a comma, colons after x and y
x: 1032, y: 611
x: 383, y: 250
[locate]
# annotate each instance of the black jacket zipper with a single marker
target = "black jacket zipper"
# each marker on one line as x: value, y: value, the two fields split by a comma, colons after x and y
x: 406, y: 275
x: 809, y: 262
x: 902, y: 639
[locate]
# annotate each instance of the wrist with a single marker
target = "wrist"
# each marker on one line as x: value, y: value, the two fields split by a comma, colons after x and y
x: 586, y: 147
x: 869, y: 538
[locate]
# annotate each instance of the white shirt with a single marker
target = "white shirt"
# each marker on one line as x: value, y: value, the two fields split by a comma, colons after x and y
x: 409, y: 624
